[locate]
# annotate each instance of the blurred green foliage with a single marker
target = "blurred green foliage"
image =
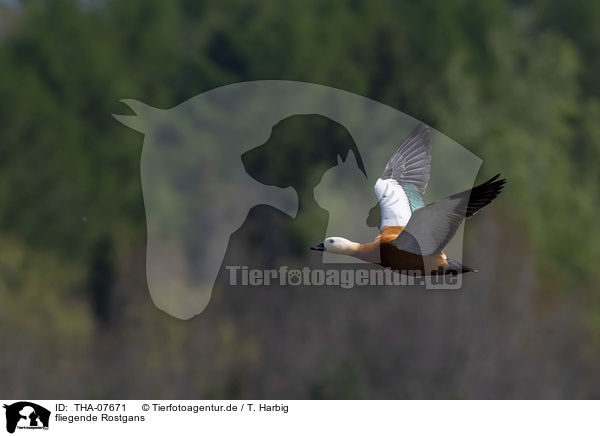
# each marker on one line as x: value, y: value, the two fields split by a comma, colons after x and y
x: 515, y: 84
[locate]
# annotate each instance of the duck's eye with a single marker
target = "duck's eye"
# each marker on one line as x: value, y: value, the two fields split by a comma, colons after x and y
x: 331, y: 241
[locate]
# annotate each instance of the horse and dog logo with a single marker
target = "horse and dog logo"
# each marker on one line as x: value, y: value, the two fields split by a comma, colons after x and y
x: 26, y: 415
x: 198, y: 189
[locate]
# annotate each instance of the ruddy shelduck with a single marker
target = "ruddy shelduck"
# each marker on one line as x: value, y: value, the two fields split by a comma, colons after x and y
x: 412, y: 235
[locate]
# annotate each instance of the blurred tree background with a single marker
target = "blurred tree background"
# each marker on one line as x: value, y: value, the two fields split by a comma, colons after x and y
x: 514, y: 82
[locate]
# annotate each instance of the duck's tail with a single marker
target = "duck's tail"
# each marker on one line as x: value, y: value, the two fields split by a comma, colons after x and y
x: 455, y: 267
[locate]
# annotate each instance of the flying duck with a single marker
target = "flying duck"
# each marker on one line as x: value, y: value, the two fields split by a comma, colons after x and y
x: 412, y: 235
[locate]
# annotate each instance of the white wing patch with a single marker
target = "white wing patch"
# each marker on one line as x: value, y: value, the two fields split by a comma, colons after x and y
x: 393, y: 202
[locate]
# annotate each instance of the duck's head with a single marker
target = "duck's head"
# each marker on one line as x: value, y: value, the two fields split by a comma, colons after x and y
x: 337, y: 245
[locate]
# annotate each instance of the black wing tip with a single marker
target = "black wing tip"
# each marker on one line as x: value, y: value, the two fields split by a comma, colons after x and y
x: 493, y: 183
x: 494, y: 180
x: 484, y: 194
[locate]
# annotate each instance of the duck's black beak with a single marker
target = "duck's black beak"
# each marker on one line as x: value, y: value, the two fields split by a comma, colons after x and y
x: 319, y: 247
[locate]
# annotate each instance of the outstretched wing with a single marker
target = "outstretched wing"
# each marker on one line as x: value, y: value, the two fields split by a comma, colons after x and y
x: 412, y: 161
x: 431, y: 228
x: 403, y: 182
